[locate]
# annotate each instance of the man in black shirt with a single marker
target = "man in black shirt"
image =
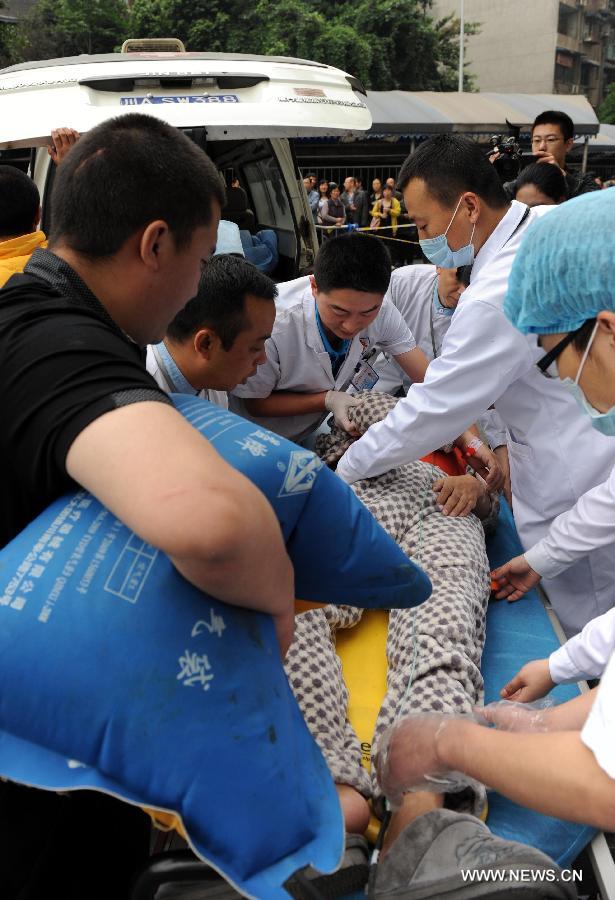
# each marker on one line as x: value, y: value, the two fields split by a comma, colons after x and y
x: 135, y: 210
x: 552, y: 138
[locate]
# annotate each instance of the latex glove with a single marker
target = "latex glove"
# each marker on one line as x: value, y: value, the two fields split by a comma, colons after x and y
x: 338, y: 403
x: 507, y: 716
x: 515, y: 578
x: 407, y: 758
x: 531, y: 682
x: 458, y: 494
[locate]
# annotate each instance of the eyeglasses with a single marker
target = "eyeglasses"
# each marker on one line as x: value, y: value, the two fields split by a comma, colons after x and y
x: 549, y: 140
x: 549, y: 358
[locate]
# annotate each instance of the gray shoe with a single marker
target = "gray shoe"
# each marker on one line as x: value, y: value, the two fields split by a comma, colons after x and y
x: 429, y: 859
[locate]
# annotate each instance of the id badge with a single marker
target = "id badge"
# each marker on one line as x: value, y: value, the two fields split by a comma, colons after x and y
x: 365, y: 378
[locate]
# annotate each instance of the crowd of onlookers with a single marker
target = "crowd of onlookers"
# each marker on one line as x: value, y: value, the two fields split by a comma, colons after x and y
x: 380, y: 206
x: 383, y: 205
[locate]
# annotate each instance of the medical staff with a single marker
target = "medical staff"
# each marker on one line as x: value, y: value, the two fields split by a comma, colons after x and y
x: 426, y: 303
x: 464, y: 218
x: 327, y: 332
x: 571, y: 307
x: 577, y: 336
x: 218, y: 340
x: 427, y: 297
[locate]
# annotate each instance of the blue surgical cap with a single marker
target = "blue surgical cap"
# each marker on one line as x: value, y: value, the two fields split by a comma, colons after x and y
x: 564, y: 271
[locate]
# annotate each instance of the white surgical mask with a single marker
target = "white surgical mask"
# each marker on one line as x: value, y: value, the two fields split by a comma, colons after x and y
x: 438, y: 251
x: 602, y: 422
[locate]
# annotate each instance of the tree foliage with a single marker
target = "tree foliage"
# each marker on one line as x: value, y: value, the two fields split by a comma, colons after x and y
x: 606, y: 111
x: 389, y: 44
x: 56, y: 28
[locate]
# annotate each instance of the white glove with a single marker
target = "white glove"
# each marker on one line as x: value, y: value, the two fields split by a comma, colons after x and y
x: 338, y: 403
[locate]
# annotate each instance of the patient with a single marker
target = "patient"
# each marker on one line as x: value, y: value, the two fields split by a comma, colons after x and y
x: 433, y: 651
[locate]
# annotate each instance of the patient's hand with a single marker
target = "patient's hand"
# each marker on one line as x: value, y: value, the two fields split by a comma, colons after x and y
x: 458, y: 495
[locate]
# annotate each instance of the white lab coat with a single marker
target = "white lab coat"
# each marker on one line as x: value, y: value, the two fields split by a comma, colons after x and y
x: 220, y: 398
x: 555, y: 454
x: 588, y: 525
x: 297, y: 360
x: 586, y: 654
x: 599, y: 730
x: 411, y: 291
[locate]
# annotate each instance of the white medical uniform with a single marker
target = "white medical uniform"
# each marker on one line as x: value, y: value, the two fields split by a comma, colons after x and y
x: 589, y: 524
x: 599, y: 730
x: 586, y: 654
x: 412, y: 291
x: 297, y: 359
x: 164, y: 380
x: 555, y: 454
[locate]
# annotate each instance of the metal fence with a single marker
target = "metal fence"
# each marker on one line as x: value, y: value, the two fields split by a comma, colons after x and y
x: 339, y: 173
x: 368, y: 173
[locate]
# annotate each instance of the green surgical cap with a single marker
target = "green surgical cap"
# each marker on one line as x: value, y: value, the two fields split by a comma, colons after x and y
x: 564, y: 270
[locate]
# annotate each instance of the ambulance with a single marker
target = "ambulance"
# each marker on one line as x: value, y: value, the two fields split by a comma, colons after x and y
x: 242, y: 110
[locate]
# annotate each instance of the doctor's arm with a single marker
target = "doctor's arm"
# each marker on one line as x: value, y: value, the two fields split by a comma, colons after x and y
x: 583, y: 656
x: 517, y: 764
x: 481, y: 356
x: 414, y: 363
x: 286, y: 403
x: 587, y: 526
x: 291, y: 403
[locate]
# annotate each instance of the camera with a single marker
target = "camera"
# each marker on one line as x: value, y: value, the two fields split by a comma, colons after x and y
x: 508, y: 163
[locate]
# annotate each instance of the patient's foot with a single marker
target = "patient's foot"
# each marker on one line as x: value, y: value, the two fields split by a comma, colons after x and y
x: 354, y: 807
x: 433, y: 855
x: 413, y: 805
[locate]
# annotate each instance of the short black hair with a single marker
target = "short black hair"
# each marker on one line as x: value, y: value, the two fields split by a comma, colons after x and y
x: 556, y: 117
x: 358, y: 262
x: 450, y: 164
x: 19, y: 202
x: 124, y: 174
x: 220, y: 302
x: 548, y: 179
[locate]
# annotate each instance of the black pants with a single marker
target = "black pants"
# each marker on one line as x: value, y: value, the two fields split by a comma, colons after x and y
x: 82, y: 845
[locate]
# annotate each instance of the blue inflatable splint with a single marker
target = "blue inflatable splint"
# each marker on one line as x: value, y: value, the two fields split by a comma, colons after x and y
x: 119, y: 675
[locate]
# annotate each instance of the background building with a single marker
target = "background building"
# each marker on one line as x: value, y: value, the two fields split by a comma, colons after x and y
x: 13, y: 10
x: 539, y: 46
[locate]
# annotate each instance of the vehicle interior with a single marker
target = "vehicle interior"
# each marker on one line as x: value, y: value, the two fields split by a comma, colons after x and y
x: 262, y: 201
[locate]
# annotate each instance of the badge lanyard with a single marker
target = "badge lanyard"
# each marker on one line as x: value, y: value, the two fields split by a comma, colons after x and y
x: 365, y: 376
